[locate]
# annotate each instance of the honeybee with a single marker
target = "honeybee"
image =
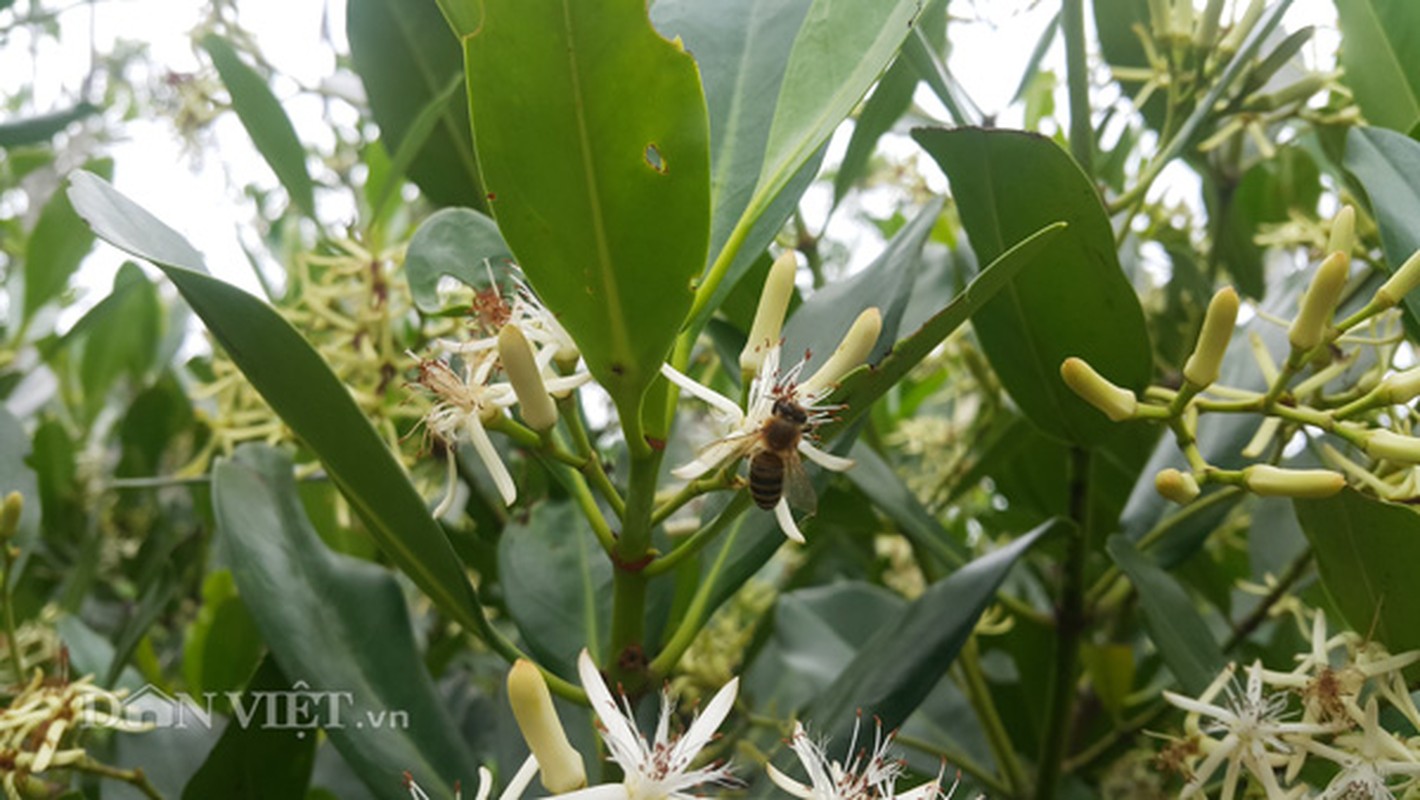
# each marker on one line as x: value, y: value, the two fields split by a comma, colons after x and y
x: 775, y: 470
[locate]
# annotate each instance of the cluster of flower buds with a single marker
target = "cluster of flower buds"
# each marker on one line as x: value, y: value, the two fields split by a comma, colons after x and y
x: 1277, y: 724
x: 1315, y: 338
x: 665, y: 767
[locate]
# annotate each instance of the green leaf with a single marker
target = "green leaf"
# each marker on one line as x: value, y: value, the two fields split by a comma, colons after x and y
x: 154, y: 600
x: 222, y: 646
x: 1009, y: 184
x: 862, y: 387
x: 454, y: 242
x: 1177, y: 630
x: 1380, y: 60
x: 557, y: 583
x: 874, y: 476
x: 406, y: 57
x: 56, y: 247
x: 299, y: 386
x: 1269, y: 192
x: 121, y: 336
x: 269, y: 762
x: 16, y: 475
x: 42, y: 127
x: 1387, y: 164
x: 384, y: 183
x: 265, y: 122
x: 900, y: 664
x: 602, y: 186
x: 1366, y: 550
x: 339, y: 624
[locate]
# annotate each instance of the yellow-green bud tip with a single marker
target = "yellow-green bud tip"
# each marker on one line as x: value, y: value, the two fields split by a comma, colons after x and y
x: 1319, y: 302
x: 1269, y: 481
x: 558, y: 762
x: 1207, y: 359
x: 1114, y: 402
x: 520, y: 364
x: 1402, y: 387
x: 1343, y: 232
x: 1393, y: 446
x: 1180, y: 487
x: 1402, y: 282
x: 857, y: 344
x: 769, y: 316
x: 10, y: 515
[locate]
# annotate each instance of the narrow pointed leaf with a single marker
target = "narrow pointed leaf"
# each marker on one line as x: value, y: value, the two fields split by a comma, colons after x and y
x: 1380, y: 59
x: 1387, y: 164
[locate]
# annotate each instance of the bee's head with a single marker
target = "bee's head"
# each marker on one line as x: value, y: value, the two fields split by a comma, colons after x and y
x: 791, y: 411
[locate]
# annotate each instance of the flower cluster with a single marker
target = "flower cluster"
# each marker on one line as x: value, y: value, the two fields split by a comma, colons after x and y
x: 1326, y: 709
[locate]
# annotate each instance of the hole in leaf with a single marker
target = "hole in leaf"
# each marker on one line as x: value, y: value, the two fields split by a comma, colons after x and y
x: 654, y: 159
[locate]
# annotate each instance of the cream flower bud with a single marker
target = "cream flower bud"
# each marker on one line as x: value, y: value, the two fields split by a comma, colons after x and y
x: 851, y: 353
x: 1180, y: 487
x: 1393, y: 446
x: 1270, y: 481
x: 1202, y: 367
x: 1320, y: 300
x: 1114, y: 402
x: 1343, y: 232
x: 10, y: 514
x: 1235, y: 36
x: 1402, y: 282
x: 769, y: 316
x: 1402, y: 387
x: 559, y: 763
x: 520, y: 364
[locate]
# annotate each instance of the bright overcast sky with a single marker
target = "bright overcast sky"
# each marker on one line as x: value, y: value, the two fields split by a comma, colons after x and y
x: 199, y: 194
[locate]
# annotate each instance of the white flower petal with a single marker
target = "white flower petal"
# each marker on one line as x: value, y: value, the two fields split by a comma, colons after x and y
x: 787, y: 783
x: 714, y: 398
x: 824, y: 459
x: 703, y: 728
x: 516, y: 786
x: 711, y: 457
x: 785, y: 518
x: 617, y: 726
x: 605, y: 791
x: 489, y: 455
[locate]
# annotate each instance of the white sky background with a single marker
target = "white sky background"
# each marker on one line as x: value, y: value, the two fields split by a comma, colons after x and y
x: 199, y: 194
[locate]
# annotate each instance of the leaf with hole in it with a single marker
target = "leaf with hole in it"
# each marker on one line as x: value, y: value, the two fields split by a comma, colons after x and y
x: 1008, y: 184
x: 339, y: 624
x: 602, y: 186
x: 406, y: 57
x: 457, y: 242
x: 1380, y: 59
x: 1366, y: 550
x: 1177, y: 630
x: 300, y: 387
x: 265, y: 122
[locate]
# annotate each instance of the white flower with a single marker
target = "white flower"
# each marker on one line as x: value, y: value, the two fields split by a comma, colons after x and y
x: 528, y: 314
x: 872, y: 779
x: 1369, y: 759
x: 1252, y: 729
x: 463, y: 404
x: 743, y: 436
x: 513, y: 791
x: 658, y: 770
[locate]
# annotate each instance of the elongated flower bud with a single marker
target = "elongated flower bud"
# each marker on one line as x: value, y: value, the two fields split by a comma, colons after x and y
x: 1402, y: 282
x: 1202, y: 367
x: 1402, y: 387
x: 769, y: 316
x: 851, y: 353
x: 520, y: 364
x: 1393, y: 446
x: 1343, y: 232
x: 1269, y: 481
x: 10, y: 515
x: 559, y: 763
x: 1235, y: 36
x: 1180, y: 487
x: 1115, y: 402
x: 1319, y: 302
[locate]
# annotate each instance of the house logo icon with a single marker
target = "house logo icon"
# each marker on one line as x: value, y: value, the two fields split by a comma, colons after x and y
x: 151, y: 706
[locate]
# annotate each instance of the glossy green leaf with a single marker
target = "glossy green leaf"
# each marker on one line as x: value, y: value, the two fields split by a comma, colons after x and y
x: 121, y: 336
x: 385, y: 183
x: 56, y: 247
x: 862, y: 387
x: 1269, y: 192
x: 222, y: 646
x: 338, y: 623
x: 406, y: 57
x: 1380, y: 59
x: 557, y: 584
x: 1366, y: 550
x: 601, y: 187
x: 257, y: 762
x: 1111, y: 669
x: 1077, y: 302
x: 265, y: 121
x: 299, y: 387
x: 1176, y: 628
x: 455, y: 242
x: 1387, y: 164
x: 42, y: 127
x: 901, y: 663
x: 154, y: 600
x: 875, y: 477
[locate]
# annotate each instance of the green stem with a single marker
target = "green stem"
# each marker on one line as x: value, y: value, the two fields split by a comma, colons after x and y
x: 1070, y: 626
x: 571, y: 412
x: 700, y: 538
x: 979, y: 694
x: 1077, y: 78
x: 17, y: 662
x: 576, y: 486
x: 695, y: 614
x: 723, y: 479
x: 633, y: 550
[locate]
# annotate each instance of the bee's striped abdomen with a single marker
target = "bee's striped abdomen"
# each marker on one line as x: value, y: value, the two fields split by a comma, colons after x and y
x: 766, y: 479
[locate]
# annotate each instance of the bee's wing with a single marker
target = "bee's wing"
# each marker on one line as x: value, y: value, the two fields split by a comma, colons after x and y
x: 740, y: 441
x: 798, y: 489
